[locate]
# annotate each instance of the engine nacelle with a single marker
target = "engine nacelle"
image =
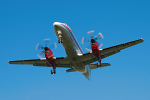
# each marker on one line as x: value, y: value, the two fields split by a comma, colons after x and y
x: 95, y: 49
x: 50, y: 57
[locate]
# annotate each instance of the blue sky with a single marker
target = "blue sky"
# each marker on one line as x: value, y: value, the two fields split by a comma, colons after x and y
x: 24, y: 23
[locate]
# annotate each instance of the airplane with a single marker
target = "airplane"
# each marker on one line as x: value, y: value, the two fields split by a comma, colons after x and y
x: 76, y: 60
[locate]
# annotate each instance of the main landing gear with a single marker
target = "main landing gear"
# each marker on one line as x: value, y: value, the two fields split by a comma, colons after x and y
x: 60, y: 37
x: 99, y: 64
x: 53, y: 71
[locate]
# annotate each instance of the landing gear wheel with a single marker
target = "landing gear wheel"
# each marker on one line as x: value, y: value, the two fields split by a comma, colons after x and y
x: 51, y: 71
x: 60, y: 41
x: 54, y: 71
x: 60, y: 36
x: 100, y: 64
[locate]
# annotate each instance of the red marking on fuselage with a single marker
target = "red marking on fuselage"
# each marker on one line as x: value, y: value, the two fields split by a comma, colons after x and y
x: 95, y: 51
x: 50, y: 58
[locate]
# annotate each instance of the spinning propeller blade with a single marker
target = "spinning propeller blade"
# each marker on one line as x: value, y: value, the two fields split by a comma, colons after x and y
x: 38, y: 46
x: 91, y: 34
x: 88, y: 49
x: 46, y: 41
x: 98, y: 36
x: 53, y: 46
x: 100, y: 45
x: 41, y: 54
x: 84, y: 40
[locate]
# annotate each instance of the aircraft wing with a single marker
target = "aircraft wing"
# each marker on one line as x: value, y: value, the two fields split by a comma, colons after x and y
x: 60, y: 62
x: 86, y: 58
x: 89, y: 57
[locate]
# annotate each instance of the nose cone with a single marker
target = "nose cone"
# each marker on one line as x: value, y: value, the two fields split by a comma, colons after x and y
x: 46, y: 48
x: 56, y: 24
x: 92, y: 41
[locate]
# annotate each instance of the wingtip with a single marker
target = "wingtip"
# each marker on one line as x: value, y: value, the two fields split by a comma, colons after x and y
x: 142, y: 39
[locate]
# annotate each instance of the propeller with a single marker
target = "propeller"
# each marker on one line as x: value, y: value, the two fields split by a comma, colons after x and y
x: 92, y: 38
x: 45, y: 48
x: 91, y: 34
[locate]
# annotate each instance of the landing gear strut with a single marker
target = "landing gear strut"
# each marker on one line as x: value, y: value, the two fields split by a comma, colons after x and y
x: 53, y: 71
x: 99, y: 64
x: 60, y: 37
x: 60, y: 40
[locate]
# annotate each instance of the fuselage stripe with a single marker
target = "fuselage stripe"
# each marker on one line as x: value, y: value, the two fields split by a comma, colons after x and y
x: 73, y: 37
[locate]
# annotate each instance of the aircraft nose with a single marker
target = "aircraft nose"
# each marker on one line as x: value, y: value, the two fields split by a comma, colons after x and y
x: 56, y: 24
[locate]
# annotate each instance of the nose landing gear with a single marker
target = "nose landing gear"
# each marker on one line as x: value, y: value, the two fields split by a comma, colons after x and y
x: 60, y: 36
x: 60, y: 40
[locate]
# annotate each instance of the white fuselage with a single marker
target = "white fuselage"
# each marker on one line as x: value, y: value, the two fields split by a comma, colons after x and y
x: 72, y: 48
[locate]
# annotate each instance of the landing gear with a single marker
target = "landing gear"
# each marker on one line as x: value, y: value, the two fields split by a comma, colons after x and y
x: 53, y: 71
x: 98, y: 64
x: 60, y: 40
x: 99, y: 60
x: 60, y: 36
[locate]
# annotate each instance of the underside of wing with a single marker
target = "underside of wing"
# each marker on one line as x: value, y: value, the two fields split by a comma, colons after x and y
x: 88, y: 58
x: 117, y: 48
x: 60, y: 62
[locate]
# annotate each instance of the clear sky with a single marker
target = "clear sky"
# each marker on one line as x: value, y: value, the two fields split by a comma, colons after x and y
x: 24, y: 23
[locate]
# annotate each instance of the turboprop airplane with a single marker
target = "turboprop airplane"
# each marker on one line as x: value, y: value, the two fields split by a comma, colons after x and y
x: 75, y: 60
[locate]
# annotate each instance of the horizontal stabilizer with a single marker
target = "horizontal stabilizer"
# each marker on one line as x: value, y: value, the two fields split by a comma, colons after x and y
x: 97, y: 65
x: 70, y: 70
